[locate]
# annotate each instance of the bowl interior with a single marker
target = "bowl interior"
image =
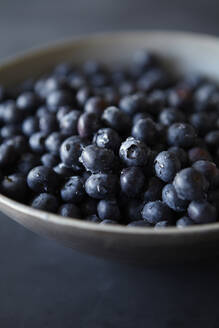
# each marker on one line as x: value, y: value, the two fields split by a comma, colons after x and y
x: 184, y: 53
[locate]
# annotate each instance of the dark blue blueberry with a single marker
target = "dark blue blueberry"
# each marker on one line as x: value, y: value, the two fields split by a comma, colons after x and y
x: 95, y: 105
x: 156, y: 101
x: 139, y: 223
x: 180, y: 97
x: 68, y: 123
x: 162, y: 224
x: 9, y: 131
x: 9, y: 112
x: 8, y: 155
x: 37, y: 142
x: 208, y: 169
x: 73, y: 190
x: 203, y: 96
x: 145, y: 130
x: 88, y: 124
x: 27, y: 162
x: 108, y: 209
x: 41, y: 111
x: 19, y: 143
x: 181, y: 154
x: 61, y: 112
x: 181, y: 135
x: 133, y: 104
x: 43, y: 179
x: 49, y: 160
x: 101, y: 185
x: 171, y: 199
x: 157, y: 211
x: 83, y: 95
x: 70, y: 210
x: 30, y: 125
x: 97, y: 159
x: 166, y: 166
x: 45, y: 202
x: 200, y: 211
x: 76, y: 81
x: 134, y: 152
x: 107, y: 138
x: 71, y: 150
x: 89, y: 206
x: 133, y: 209
x: 189, y: 184
x: 27, y: 102
x: 202, y: 122
x: 169, y: 116
x: 64, y: 171
x: 198, y: 154
x: 14, y: 186
x: 53, y: 142
x: 132, y: 181
x: 212, y: 139
x: 58, y: 98
x: 140, y: 116
x: 116, y: 119
x: 93, y: 218
x: 153, y: 190
x: 153, y: 79
x: 127, y: 88
x: 183, y: 222
x: 48, y: 123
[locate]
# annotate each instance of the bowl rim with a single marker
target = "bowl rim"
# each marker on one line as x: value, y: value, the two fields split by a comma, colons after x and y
x: 82, y: 224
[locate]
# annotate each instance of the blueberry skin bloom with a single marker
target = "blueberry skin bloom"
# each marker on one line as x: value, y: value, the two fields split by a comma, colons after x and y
x: 166, y: 166
x: 107, y: 138
x: 45, y: 202
x: 182, y: 135
x: 70, y: 210
x: 108, y: 209
x: 189, y: 184
x: 97, y: 159
x: 73, y: 190
x: 101, y: 185
x: 71, y: 150
x: 202, y: 212
x: 116, y: 119
x: 134, y: 152
x: 43, y: 179
x: 157, y: 211
x: 132, y: 181
x: 171, y: 199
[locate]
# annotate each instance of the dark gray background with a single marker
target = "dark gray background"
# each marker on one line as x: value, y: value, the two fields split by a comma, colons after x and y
x: 43, y: 284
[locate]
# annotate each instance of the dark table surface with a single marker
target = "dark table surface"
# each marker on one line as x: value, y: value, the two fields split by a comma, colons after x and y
x: 43, y: 284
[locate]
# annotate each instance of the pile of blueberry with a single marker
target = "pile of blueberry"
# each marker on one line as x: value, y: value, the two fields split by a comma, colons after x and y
x: 127, y: 145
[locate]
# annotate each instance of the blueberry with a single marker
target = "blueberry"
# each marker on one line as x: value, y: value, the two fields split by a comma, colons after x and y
x: 73, y: 190
x: 116, y: 119
x: 197, y: 154
x: 62, y: 111
x: 53, y: 142
x: 132, y: 181
x: 95, y: 105
x: 88, y: 124
x: 162, y: 224
x: 58, y: 98
x: 8, y: 155
x: 157, y: 211
x: 140, y: 116
x: 153, y: 190
x: 41, y: 111
x: 212, y: 139
x: 9, y: 131
x: 153, y: 79
x: 181, y: 135
x: 48, y: 123
x: 111, y: 95
x: 43, y: 179
x: 9, y: 113
x: 19, y: 143
x: 71, y: 150
x: 76, y: 80
x: 69, y: 210
x: 49, y: 160
x: 27, y: 102
x: 169, y: 116
x: 89, y: 206
x: 108, y: 222
x: 166, y: 166
x: 171, y: 199
x: 203, y: 95
x: 64, y: 171
x: 101, y: 185
x: 37, y: 142
x: 68, y: 123
x: 202, y: 122
x: 180, y: 97
x: 132, y: 104
x: 108, y: 209
x: 45, y: 202
x: 181, y: 154
x: 202, y: 212
x: 93, y: 218
x: 27, y: 162
x: 134, y: 152
x: 15, y: 186
x: 127, y: 88
x: 83, y: 95
x: 107, y: 138
x: 30, y: 125
x: 156, y: 101
x: 96, y: 159
x: 139, y: 223
x: 133, y: 209
x: 145, y: 130
x: 189, y: 184
x: 183, y: 222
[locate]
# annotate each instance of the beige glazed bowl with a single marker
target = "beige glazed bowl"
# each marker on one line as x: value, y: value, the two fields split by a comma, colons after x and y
x: 186, y: 52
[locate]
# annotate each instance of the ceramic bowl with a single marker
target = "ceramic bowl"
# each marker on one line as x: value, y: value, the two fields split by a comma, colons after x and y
x: 185, y: 53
